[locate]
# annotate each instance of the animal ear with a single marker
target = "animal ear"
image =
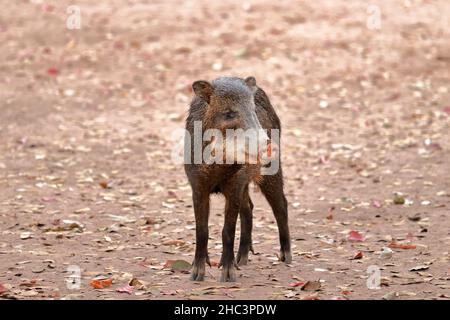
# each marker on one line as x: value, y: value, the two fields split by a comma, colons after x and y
x: 251, y: 83
x: 203, y: 89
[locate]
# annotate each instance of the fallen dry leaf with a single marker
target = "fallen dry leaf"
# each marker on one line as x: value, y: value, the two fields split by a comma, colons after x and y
x: 173, y: 243
x: 100, y: 283
x: 394, y: 245
x: 2, y: 289
x: 52, y: 72
x: 358, y: 255
x: 296, y: 284
x: 138, y: 284
x: 360, y: 138
x: 126, y: 289
x: 355, y: 236
x: 447, y: 110
x: 346, y: 292
x: 178, y: 265
x: 104, y: 184
x: 399, y: 199
x: 311, y: 286
x: 376, y: 204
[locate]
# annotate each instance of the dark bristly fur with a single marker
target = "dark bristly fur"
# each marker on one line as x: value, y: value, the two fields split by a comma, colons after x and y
x: 232, y: 180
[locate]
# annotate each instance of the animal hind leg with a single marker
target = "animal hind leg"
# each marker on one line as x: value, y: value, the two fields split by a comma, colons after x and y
x: 272, y: 188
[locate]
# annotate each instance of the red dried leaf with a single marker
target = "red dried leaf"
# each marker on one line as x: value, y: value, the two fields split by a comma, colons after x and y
x: 48, y: 8
x: 169, y: 264
x: 171, y: 194
x: 346, y: 292
x: 2, y: 289
x: 355, y: 236
x: 52, y: 72
x: 296, y: 284
x: 447, y: 110
x: 127, y: 289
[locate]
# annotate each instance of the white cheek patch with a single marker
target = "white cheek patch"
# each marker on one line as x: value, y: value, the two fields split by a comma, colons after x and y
x: 240, y: 147
x: 246, y: 146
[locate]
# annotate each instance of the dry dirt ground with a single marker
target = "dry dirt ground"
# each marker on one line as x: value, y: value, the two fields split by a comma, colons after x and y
x: 85, y: 136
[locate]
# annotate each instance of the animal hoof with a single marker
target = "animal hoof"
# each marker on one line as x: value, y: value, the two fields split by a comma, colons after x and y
x: 197, y: 277
x: 228, y: 274
x: 242, y: 259
x: 286, y: 257
x: 198, y: 272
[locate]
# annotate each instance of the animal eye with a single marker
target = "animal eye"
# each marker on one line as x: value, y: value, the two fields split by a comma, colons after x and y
x: 230, y: 115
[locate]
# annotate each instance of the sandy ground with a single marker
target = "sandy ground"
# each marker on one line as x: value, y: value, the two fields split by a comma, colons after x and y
x: 85, y: 135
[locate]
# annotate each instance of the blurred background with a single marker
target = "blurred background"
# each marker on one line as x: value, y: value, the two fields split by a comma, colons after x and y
x: 90, y: 92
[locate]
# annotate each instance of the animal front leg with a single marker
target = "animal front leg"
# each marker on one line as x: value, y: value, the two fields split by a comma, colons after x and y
x: 201, y: 209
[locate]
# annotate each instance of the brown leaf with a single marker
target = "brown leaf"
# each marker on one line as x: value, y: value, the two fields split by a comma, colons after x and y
x: 311, y: 286
x: 398, y: 199
x: 139, y: 285
x: 394, y: 245
x: 104, y: 185
x: 173, y: 243
x: 416, y: 217
x: 178, y: 265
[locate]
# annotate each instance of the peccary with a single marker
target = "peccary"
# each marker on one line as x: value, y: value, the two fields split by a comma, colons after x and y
x: 232, y: 103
